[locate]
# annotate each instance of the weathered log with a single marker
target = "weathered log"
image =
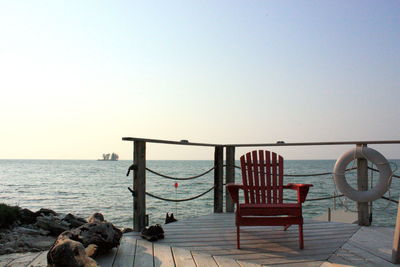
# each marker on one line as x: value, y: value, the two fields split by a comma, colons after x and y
x: 103, y: 234
x: 73, y: 221
x: 70, y: 253
x: 97, y: 236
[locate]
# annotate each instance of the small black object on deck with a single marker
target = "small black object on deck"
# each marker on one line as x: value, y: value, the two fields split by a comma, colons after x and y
x: 153, y: 233
x: 170, y: 218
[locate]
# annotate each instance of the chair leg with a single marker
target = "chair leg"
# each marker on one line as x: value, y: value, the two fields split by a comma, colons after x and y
x: 238, y: 237
x: 301, y: 241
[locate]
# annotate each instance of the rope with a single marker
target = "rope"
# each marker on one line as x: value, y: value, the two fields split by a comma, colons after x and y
x: 323, y: 198
x: 311, y: 174
x: 315, y: 174
x: 343, y: 202
x: 315, y: 199
x: 375, y: 170
x: 180, y: 200
x: 180, y: 179
x: 206, y: 172
x: 301, y: 175
x: 389, y: 199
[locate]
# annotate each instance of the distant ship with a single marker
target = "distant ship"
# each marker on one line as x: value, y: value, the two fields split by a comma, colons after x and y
x: 106, y: 157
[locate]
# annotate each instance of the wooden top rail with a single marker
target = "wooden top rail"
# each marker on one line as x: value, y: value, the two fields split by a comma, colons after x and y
x: 182, y: 142
x: 279, y: 143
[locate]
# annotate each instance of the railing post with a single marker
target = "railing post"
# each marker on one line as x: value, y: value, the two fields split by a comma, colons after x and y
x: 139, y: 186
x: 230, y: 176
x: 218, y: 178
x: 396, y: 238
x: 362, y: 183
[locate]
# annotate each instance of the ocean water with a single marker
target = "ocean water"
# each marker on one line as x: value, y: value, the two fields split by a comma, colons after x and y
x: 83, y: 187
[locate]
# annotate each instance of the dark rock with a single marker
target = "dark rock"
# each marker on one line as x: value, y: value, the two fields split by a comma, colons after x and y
x: 52, y: 224
x: 9, y: 250
x: 27, y: 231
x: 96, y: 217
x: 27, y: 216
x: 73, y: 221
x: 45, y: 212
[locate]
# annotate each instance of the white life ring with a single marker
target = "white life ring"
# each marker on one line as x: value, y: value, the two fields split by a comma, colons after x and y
x: 385, y: 173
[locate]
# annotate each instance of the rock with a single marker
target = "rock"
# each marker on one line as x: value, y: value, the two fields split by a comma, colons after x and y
x: 9, y: 250
x: 45, y: 212
x: 27, y: 231
x: 96, y: 217
x: 43, y: 243
x: 73, y: 221
x: 29, y: 243
x: 44, y: 232
x: 27, y: 216
x: 126, y: 230
x: 52, y: 224
x: 20, y: 243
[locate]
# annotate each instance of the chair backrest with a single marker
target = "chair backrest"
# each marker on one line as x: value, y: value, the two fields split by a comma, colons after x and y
x: 262, y: 175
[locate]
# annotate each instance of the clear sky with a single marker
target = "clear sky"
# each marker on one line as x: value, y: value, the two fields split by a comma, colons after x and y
x: 77, y: 76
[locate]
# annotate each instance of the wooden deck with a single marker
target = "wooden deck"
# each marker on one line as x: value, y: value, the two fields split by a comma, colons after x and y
x: 209, y: 241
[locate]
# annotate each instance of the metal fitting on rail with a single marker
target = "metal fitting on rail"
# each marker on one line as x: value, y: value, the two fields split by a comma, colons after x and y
x: 133, y: 192
x: 133, y: 167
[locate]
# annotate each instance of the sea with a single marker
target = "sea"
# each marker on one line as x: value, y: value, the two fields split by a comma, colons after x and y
x: 82, y: 187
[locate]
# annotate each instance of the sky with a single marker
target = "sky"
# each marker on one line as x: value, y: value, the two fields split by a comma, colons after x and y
x: 77, y: 76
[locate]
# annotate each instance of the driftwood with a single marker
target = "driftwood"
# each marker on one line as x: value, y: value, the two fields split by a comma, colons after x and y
x: 97, y: 236
x: 70, y: 253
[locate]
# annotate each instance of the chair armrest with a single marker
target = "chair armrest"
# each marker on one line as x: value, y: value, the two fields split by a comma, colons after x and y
x: 302, y: 191
x: 233, y: 190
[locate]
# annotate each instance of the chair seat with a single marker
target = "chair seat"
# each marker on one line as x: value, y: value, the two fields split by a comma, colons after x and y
x: 291, y: 209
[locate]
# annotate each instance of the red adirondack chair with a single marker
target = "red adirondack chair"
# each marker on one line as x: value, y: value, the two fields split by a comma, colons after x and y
x: 262, y: 175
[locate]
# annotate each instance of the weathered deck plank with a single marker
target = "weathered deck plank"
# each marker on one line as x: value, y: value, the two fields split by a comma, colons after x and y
x: 248, y: 264
x: 106, y: 260
x: 126, y: 252
x: 40, y: 260
x: 183, y: 258
x: 226, y: 262
x: 144, y: 254
x: 163, y: 256
x: 364, y: 255
x: 369, y: 240
x: 205, y: 260
x: 23, y: 260
x: 211, y: 241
